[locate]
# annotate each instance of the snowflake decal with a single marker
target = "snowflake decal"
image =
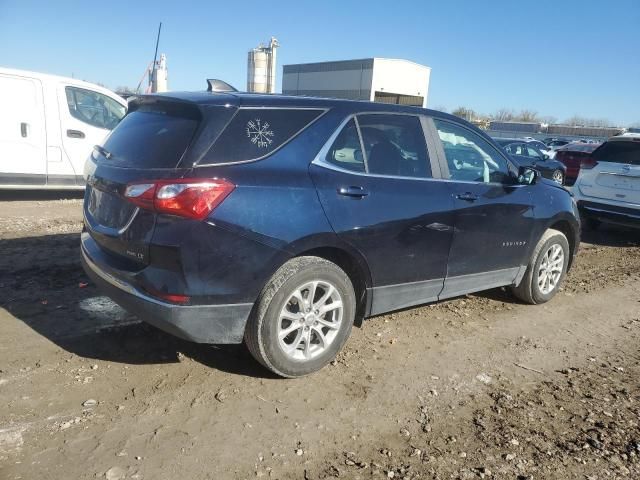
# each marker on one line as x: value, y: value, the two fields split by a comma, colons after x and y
x: 259, y: 133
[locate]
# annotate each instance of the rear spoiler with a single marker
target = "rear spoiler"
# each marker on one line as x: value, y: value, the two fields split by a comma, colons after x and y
x: 170, y: 106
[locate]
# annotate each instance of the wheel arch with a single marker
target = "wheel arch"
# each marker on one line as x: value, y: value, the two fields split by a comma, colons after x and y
x: 570, y: 231
x: 356, y: 269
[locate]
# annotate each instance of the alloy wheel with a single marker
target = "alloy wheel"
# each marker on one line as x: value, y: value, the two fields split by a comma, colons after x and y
x: 550, y: 269
x: 310, y: 320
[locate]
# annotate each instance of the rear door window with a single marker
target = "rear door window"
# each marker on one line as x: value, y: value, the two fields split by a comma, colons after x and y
x: 254, y: 133
x: 150, y: 138
x: 619, y: 152
x: 346, y: 151
x: 394, y: 145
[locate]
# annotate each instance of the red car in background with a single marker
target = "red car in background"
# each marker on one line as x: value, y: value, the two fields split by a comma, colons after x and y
x: 573, y: 155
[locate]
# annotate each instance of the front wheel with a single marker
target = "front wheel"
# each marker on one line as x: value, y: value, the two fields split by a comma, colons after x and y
x: 546, y: 270
x: 302, y: 318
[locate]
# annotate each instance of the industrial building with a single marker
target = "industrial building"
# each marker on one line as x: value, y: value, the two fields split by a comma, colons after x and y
x: 261, y: 68
x: 386, y: 80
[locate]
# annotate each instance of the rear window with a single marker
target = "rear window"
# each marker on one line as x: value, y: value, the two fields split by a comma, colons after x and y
x: 257, y: 132
x: 148, y: 138
x: 619, y: 152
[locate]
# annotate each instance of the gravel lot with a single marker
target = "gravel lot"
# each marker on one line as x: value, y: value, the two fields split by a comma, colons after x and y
x: 475, y: 387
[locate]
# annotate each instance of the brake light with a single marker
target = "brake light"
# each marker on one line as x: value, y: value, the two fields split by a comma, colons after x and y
x: 186, y: 197
x: 588, y: 163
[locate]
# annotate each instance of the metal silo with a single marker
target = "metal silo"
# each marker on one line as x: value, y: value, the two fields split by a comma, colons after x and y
x: 261, y: 68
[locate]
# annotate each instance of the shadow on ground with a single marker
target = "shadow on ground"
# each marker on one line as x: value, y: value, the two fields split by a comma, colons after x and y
x: 43, y: 285
x: 612, y: 236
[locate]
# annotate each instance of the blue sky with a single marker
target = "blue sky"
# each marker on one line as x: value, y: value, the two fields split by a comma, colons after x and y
x: 558, y: 57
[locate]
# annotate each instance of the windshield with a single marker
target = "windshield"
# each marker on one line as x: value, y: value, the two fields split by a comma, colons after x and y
x: 618, y: 152
x: 150, y: 139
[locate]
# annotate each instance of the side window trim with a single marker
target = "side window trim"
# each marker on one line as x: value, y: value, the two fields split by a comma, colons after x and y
x: 319, y: 159
x: 443, y: 161
x: 362, y: 149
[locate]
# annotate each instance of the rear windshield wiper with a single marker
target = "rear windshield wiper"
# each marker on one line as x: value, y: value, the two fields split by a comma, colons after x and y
x: 103, y: 151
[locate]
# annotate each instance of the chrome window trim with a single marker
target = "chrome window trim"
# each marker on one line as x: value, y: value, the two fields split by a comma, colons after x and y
x: 320, y: 161
x: 240, y: 162
x: 365, y: 159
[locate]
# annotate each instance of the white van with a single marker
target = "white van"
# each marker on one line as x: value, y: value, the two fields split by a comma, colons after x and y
x: 48, y: 127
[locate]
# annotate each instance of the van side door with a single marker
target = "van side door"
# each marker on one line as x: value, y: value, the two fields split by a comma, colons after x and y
x: 23, y: 152
x: 86, y: 118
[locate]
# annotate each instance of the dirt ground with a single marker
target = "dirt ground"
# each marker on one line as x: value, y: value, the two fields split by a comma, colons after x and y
x: 476, y: 387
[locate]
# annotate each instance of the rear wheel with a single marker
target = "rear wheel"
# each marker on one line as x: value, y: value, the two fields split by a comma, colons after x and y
x: 302, y: 318
x: 558, y: 177
x: 546, y: 270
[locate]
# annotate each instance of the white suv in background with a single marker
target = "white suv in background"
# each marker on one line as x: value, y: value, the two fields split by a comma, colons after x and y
x: 608, y: 187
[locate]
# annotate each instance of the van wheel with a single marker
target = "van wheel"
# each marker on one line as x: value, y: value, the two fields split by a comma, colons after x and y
x: 546, y: 270
x: 302, y: 318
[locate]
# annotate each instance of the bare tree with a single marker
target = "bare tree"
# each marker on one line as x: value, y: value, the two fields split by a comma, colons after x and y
x: 464, y: 112
x: 125, y: 89
x: 527, y: 116
x: 575, y: 121
x: 440, y: 108
x: 549, y: 119
x: 503, y: 115
x: 578, y: 121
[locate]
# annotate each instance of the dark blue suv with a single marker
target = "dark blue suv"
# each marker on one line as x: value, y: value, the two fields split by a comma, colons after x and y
x: 281, y: 221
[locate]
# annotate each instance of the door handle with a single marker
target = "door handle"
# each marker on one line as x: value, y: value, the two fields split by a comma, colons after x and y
x: 353, y: 191
x: 468, y: 196
x: 24, y: 129
x: 75, y: 134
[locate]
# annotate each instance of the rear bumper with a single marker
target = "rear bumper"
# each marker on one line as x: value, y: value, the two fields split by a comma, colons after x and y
x: 199, y: 323
x: 610, y: 212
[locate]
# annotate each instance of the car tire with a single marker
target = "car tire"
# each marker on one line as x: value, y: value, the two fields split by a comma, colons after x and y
x: 558, y: 177
x: 283, y: 306
x: 544, y: 263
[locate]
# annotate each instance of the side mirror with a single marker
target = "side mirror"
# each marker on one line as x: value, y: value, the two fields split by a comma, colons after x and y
x: 527, y: 176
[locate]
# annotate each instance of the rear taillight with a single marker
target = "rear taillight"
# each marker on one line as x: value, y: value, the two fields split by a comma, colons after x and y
x: 186, y: 197
x: 588, y: 163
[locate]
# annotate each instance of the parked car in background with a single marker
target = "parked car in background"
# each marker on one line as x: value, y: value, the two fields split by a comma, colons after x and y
x: 572, y: 155
x: 608, y: 186
x: 526, y: 154
x: 48, y: 127
x: 540, y: 146
x: 281, y: 220
x: 557, y: 143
